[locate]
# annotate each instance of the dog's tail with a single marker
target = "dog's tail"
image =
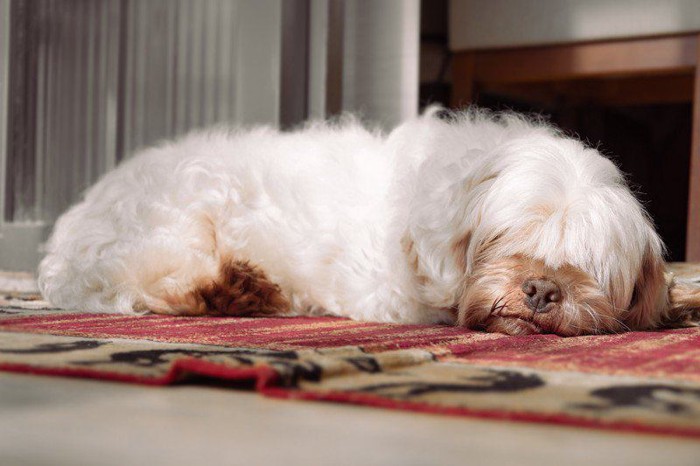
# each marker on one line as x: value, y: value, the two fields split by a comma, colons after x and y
x: 240, y: 288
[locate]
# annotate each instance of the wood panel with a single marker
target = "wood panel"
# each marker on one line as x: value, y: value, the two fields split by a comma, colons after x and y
x: 463, y: 78
x: 672, y: 54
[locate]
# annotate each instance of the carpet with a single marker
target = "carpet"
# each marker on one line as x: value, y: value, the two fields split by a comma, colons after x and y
x: 638, y: 381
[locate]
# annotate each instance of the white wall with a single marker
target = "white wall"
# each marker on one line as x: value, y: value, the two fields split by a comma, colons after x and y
x: 478, y: 24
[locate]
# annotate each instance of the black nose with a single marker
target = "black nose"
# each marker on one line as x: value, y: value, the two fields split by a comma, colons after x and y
x: 540, y: 294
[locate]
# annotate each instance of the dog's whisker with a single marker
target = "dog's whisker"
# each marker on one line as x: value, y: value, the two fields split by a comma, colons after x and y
x: 623, y: 327
x: 495, y: 307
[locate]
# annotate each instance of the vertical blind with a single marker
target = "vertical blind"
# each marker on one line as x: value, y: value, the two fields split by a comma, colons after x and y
x: 101, y: 78
x: 85, y: 83
x: 106, y: 77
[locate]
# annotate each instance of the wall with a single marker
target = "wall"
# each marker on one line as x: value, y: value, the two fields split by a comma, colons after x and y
x: 477, y: 24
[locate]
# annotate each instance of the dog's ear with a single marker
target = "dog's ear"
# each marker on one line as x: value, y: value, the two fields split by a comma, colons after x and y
x: 684, y: 304
x: 650, y: 297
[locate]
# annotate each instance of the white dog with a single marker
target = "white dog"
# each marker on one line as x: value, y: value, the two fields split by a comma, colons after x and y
x: 489, y: 221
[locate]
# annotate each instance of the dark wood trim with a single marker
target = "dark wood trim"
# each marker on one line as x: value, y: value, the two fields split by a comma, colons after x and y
x: 692, y: 250
x: 294, y: 79
x: 119, y: 149
x: 637, y: 90
x: 463, y: 78
x: 334, y: 57
x: 22, y: 95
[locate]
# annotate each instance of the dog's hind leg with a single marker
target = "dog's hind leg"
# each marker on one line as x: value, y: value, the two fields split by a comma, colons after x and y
x: 175, y: 267
x: 207, y: 278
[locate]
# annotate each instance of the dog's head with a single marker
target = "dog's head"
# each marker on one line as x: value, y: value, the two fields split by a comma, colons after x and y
x: 545, y: 237
x: 523, y: 295
x: 572, y: 251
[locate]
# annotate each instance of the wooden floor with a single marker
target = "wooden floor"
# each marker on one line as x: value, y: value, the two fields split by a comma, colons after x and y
x: 60, y: 421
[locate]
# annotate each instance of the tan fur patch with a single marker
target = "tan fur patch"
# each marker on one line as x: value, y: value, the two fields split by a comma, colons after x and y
x: 459, y: 249
x: 406, y: 244
x: 408, y: 248
x: 685, y: 305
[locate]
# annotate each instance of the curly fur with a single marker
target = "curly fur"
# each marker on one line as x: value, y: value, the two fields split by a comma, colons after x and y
x: 439, y: 221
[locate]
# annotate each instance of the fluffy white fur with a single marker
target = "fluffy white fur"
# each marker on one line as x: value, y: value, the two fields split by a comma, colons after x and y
x: 351, y: 222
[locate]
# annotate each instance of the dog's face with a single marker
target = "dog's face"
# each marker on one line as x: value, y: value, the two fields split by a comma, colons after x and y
x: 519, y: 295
x: 566, y: 253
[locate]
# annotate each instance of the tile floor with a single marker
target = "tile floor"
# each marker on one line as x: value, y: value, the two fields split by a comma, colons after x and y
x: 60, y: 421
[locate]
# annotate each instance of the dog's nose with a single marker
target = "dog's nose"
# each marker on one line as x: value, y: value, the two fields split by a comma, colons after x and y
x: 540, y: 293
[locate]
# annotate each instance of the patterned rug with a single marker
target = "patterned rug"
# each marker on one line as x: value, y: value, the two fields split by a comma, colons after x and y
x: 639, y: 381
